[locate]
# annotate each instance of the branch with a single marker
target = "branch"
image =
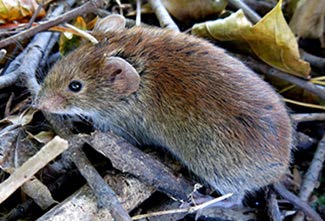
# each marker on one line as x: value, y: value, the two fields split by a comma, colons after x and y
x: 252, y: 15
x: 130, y: 159
x: 163, y: 16
x: 273, y: 207
x: 315, y: 61
x: 106, y: 197
x: 308, y: 117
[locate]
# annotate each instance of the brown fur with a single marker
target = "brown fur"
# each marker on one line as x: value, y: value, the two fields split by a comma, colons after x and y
x: 219, y: 118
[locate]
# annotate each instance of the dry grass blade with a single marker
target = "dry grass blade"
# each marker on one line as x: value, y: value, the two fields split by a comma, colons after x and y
x: 184, y: 210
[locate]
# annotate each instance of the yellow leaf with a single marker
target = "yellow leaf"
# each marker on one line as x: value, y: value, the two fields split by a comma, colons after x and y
x: 68, y: 41
x: 17, y: 9
x: 227, y: 29
x: 270, y: 39
x: 273, y: 42
x: 43, y: 136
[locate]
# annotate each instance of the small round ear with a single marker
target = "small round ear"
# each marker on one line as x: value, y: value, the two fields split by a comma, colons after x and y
x: 122, y: 75
x: 110, y: 23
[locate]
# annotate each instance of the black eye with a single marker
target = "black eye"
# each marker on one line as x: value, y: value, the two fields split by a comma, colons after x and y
x: 75, y: 86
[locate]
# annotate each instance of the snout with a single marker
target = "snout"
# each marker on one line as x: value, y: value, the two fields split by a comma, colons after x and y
x: 53, y: 103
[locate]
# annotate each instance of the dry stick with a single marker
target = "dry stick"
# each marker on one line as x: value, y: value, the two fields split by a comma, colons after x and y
x: 130, y: 159
x: 253, y: 16
x: 184, y: 210
x: 314, y: 60
x: 84, y: 9
x: 48, y: 152
x: 48, y: 50
x: 36, y: 12
x: 304, y: 142
x: 138, y: 16
x: 164, y: 18
x: 266, y: 69
x: 262, y: 7
x: 311, y: 177
x: 273, y: 208
x: 106, y: 197
x: 308, y: 117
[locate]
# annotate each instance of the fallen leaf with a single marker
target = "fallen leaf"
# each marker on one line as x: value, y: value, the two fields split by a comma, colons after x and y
x: 270, y: 39
x: 11, y: 10
x: 227, y: 29
x: 185, y: 10
x: 42, y: 137
x: 20, y: 120
x: 68, y: 42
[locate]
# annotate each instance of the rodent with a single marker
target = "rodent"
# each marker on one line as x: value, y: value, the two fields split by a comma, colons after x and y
x: 176, y: 91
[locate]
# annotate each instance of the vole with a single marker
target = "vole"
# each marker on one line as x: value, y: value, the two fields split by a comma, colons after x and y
x: 179, y: 92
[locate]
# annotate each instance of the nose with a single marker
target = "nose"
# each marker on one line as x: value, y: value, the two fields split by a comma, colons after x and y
x: 50, y: 103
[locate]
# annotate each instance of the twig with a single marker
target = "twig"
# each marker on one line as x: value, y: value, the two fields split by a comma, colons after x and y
x: 311, y: 177
x: 84, y: 9
x: 8, y: 104
x: 273, y: 208
x: 314, y: 61
x: 48, y: 152
x: 138, y: 16
x: 304, y: 142
x: 130, y: 159
x: 267, y: 70
x: 308, y: 117
x: 253, y: 16
x: 36, y: 12
x: 262, y: 7
x: 283, y: 192
x: 47, y: 51
x: 105, y: 195
x: 184, y: 210
x: 164, y: 18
